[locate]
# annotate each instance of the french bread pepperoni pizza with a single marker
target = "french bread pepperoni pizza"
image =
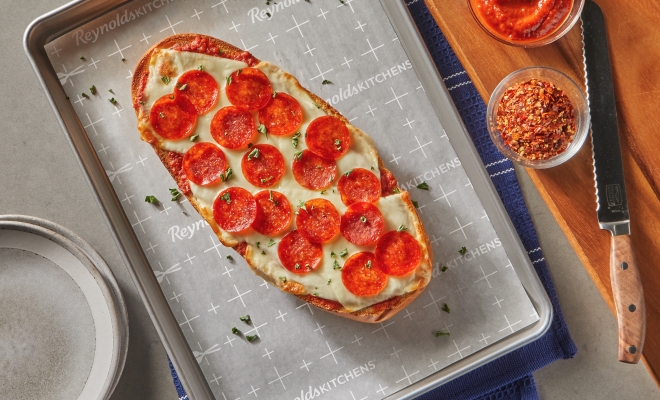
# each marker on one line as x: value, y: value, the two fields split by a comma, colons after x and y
x: 281, y: 177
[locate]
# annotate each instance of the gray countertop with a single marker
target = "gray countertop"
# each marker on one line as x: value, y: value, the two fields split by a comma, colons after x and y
x: 40, y: 177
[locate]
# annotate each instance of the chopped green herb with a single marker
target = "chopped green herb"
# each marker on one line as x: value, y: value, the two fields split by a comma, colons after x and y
x: 263, y: 253
x: 297, y: 155
x: 262, y: 129
x: 82, y: 58
x: 238, y: 72
x: 402, y: 227
x: 194, y: 137
x: 110, y: 90
x: 184, y: 86
x: 270, y: 197
x: 258, y: 244
x: 283, y: 279
x: 326, y: 82
x: 323, y: 191
x: 274, y: 94
x: 226, y: 198
x: 335, y: 265
x: 329, y: 281
x: 85, y: 95
x: 317, y: 106
x: 228, y: 174
x: 160, y: 114
x: 92, y: 90
x: 396, y: 190
x: 444, y: 268
x: 462, y: 251
x: 230, y: 258
x: 264, y: 180
x: 228, y: 80
x: 295, y: 139
x: 441, y: 333
x: 113, y: 101
x: 166, y: 79
x: 123, y: 60
x: 368, y: 264
x: 267, y: 13
x: 301, y: 204
x: 338, y: 144
x: 201, y: 68
x: 347, y: 173
x: 445, y: 308
x: 235, y: 331
x: 372, y: 168
x: 142, y: 102
x: 175, y: 193
x: 333, y: 254
x: 172, y: 97
x: 271, y: 243
x: 423, y: 186
x: 415, y: 204
x: 253, y: 154
x: 246, y: 318
x: 251, y: 338
x: 297, y: 266
x: 151, y: 200
x: 220, y: 51
x: 343, y: 253
x: 363, y: 219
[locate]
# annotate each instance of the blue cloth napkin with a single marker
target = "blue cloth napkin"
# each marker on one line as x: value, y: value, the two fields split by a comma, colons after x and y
x: 510, y: 376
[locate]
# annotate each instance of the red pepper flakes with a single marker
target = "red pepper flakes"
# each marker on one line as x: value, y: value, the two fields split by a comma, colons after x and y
x: 536, y: 119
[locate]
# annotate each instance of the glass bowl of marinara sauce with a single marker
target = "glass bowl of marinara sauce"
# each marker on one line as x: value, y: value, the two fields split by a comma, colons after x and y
x: 526, y: 23
x: 538, y: 117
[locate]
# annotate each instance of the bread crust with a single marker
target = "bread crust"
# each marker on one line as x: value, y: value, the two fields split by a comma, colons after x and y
x: 208, y: 45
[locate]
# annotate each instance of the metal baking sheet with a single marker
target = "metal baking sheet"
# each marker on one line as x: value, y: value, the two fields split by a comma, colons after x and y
x: 497, y: 302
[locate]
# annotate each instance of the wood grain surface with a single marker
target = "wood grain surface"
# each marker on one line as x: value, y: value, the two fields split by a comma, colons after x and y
x: 568, y: 189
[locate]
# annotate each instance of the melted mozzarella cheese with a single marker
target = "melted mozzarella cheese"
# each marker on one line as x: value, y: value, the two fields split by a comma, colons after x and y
x: 325, y: 281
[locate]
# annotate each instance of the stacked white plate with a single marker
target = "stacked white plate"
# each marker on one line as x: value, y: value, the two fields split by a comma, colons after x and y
x: 63, y: 321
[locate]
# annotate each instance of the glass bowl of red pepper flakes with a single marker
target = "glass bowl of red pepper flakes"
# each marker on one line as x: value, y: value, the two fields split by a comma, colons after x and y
x: 538, y: 117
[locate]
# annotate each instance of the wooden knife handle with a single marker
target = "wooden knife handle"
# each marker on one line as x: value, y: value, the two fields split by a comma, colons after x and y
x: 628, y: 299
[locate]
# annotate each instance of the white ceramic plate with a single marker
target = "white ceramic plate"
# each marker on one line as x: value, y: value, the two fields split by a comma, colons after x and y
x: 64, y: 326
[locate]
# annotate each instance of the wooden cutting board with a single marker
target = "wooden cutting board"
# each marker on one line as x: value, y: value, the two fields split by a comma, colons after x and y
x: 568, y: 189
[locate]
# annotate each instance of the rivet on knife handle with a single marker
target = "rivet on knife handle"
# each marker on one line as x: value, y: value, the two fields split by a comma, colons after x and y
x: 628, y: 299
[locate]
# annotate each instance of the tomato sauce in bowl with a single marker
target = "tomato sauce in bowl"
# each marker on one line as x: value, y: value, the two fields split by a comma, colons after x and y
x: 527, y: 23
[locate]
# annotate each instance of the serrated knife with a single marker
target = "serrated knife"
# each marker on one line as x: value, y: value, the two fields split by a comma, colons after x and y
x: 611, y: 197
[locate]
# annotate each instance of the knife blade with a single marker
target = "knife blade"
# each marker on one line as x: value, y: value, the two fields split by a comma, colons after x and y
x: 612, y: 202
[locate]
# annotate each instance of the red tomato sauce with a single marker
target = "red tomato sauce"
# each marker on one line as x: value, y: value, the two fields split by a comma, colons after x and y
x: 522, y: 20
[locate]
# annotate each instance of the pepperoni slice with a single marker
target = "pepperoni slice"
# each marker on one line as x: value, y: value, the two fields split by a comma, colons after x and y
x: 204, y: 164
x: 362, y: 223
x: 234, y: 209
x: 299, y: 255
x: 196, y: 92
x: 170, y: 121
x: 328, y: 137
x: 233, y: 127
x: 398, y: 253
x: 318, y: 221
x: 282, y: 116
x: 263, y: 165
x: 249, y: 88
x: 362, y: 276
x: 312, y: 171
x: 273, y: 213
x: 358, y: 185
